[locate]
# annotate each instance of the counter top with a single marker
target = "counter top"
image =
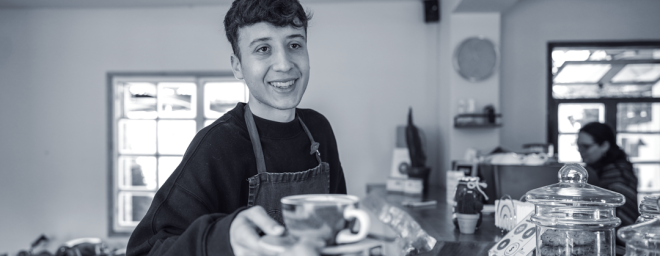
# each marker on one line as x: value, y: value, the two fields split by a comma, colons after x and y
x: 437, y: 222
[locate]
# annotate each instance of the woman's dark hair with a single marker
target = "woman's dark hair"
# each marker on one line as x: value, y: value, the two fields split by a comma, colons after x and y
x: 601, y: 133
x: 280, y: 13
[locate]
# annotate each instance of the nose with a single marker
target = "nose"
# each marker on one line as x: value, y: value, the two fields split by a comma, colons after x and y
x: 282, y: 61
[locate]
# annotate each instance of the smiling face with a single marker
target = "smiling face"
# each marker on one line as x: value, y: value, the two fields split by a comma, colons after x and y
x: 590, y: 151
x: 274, y: 64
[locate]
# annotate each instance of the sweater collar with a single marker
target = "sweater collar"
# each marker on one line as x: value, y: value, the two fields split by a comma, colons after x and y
x: 268, y: 128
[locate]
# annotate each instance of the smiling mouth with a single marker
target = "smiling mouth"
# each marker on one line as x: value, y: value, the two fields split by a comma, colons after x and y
x: 283, y: 85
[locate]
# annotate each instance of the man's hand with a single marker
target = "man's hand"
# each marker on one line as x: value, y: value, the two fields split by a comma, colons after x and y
x: 244, y: 238
x: 243, y: 235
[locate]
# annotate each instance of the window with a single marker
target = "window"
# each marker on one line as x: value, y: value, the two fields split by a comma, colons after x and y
x: 615, y: 83
x: 153, y: 118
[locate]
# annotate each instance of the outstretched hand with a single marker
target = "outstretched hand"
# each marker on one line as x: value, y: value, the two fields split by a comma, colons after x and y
x: 244, y: 237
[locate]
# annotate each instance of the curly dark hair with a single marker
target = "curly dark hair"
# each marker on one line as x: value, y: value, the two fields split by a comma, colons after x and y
x: 280, y: 13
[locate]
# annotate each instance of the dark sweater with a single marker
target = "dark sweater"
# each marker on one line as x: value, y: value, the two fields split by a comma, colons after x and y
x: 614, y: 172
x: 192, y: 212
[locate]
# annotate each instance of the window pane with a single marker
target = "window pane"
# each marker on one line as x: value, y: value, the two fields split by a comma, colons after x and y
x: 627, y: 91
x: 572, y: 116
x: 640, y: 147
x: 177, y: 100
x: 137, y: 136
x: 575, y: 91
x: 648, y: 176
x: 166, y: 166
x: 582, y: 73
x: 594, y: 91
x: 137, y: 172
x: 220, y: 97
x: 567, y: 148
x: 133, y: 206
x: 638, y: 117
x: 175, y: 135
x: 641, y: 72
x: 140, y: 100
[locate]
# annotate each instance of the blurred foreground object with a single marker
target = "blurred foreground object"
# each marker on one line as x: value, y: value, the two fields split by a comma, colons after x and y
x: 643, y: 238
x: 415, y: 239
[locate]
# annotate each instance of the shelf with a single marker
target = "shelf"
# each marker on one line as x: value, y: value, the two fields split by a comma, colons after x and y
x: 477, y: 120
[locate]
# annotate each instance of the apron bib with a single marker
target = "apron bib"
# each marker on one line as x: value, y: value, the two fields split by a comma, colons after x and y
x: 266, y: 189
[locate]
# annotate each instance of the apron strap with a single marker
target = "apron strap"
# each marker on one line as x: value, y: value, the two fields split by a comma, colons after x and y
x: 315, y: 145
x: 256, y: 142
x: 254, y: 137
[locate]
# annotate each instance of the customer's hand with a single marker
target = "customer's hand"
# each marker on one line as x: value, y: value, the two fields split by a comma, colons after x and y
x: 243, y: 235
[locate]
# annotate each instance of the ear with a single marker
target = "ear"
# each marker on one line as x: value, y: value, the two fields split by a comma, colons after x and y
x: 236, y: 67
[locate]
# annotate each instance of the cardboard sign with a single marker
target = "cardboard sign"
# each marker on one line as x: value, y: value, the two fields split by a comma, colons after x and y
x: 521, y: 241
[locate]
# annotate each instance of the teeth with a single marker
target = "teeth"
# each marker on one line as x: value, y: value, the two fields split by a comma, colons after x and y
x: 282, y: 84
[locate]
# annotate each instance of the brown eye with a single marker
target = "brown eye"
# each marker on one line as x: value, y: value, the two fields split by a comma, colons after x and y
x: 262, y: 49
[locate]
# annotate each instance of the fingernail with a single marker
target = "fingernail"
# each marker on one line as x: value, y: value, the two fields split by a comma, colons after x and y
x: 278, y: 229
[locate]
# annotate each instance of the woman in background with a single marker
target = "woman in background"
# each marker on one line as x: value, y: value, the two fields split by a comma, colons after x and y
x: 609, y: 168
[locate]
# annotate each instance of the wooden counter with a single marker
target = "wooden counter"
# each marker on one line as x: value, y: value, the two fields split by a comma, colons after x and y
x: 437, y: 222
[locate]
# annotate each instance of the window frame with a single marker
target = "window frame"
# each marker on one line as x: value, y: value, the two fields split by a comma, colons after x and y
x: 610, y: 103
x: 199, y: 78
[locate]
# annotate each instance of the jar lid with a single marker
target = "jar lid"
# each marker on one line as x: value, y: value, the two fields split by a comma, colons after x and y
x: 573, y: 190
x: 649, y: 205
x: 643, y: 236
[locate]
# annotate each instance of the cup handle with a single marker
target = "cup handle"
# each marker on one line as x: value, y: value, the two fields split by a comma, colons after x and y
x: 346, y: 236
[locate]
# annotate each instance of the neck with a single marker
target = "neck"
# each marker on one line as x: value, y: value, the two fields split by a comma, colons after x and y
x: 267, y: 112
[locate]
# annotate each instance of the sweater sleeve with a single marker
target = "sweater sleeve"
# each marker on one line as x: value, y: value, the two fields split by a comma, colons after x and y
x: 620, y: 178
x: 177, y: 227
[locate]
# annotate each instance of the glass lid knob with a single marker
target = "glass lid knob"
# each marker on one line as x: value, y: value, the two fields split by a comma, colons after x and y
x: 573, y: 173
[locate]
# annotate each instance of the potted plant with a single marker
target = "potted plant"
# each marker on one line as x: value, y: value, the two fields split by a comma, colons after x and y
x: 469, y: 203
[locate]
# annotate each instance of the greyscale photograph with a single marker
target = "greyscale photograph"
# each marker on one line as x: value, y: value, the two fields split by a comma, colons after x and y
x: 329, y: 127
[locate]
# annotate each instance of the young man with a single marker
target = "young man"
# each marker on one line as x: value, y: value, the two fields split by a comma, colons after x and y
x: 226, y: 190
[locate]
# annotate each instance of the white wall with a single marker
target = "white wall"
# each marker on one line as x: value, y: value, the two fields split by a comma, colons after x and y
x: 370, y: 62
x: 485, y: 92
x: 526, y: 29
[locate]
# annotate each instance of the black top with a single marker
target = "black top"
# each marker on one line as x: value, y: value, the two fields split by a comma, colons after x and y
x: 192, y: 212
x: 614, y: 172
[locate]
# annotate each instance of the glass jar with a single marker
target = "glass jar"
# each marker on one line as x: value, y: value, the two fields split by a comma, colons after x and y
x: 573, y: 217
x: 643, y: 238
x: 648, y: 209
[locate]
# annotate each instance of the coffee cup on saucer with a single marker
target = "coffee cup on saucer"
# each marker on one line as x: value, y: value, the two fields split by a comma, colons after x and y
x: 324, y: 217
x: 321, y: 217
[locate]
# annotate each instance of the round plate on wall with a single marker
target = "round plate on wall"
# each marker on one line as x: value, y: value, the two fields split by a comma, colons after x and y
x: 475, y: 58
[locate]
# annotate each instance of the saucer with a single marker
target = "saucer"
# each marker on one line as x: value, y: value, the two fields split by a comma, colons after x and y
x: 360, y: 246
x: 280, y: 243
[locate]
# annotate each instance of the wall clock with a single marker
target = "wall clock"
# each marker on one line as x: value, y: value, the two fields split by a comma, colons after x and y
x: 475, y: 58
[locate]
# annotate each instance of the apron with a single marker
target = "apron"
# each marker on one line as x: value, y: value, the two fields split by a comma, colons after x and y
x: 266, y: 189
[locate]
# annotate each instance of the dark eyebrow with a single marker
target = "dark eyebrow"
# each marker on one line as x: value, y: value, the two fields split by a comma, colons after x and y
x: 263, y: 39
x: 297, y: 36
x: 259, y: 40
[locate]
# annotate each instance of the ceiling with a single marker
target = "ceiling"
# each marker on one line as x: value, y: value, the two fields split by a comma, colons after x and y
x: 134, y: 3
